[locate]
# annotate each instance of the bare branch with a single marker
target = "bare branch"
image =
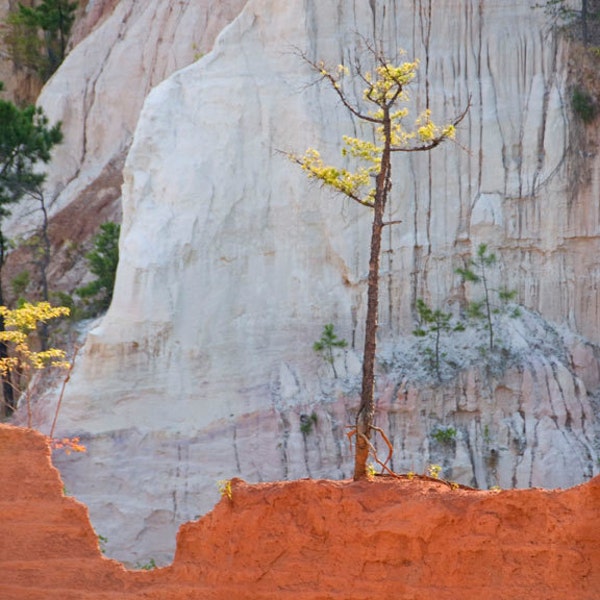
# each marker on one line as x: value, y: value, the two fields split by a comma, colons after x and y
x: 326, y: 75
x: 423, y: 148
x: 62, y: 391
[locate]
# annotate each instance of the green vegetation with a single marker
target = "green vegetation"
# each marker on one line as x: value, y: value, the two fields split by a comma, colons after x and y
x: 148, y: 566
x: 26, y: 140
x: 307, y: 422
x: 432, y: 324
x: 577, y: 20
x: 444, y: 435
x: 583, y: 105
x: 37, y: 36
x: 19, y: 284
x: 326, y: 345
x: 381, y: 108
x: 103, y: 260
x: 477, y: 271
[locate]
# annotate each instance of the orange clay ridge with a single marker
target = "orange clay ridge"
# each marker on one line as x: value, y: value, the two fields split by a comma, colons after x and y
x: 390, y: 538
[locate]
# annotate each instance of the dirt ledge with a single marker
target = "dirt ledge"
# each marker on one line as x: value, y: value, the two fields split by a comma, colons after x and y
x: 308, y: 539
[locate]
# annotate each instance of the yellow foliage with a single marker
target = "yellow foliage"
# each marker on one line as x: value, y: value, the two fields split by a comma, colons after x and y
x: 388, y: 81
x: 20, y: 323
x: 354, y: 184
x: 385, y: 88
x: 225, y: 489
x: 68, y: 445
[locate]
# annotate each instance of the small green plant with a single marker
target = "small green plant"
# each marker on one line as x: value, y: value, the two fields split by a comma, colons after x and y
x: 102, y: 541
x: 432, y: 324
x: 20, y: 283
x: 76, y: 311
x: 487, y: 438
x: 477, y: 271
x: 149, y: 566
x: 307, y: 422
x: 198, y: 54
x: 583, y: 105
x: 327, y: 344
x: 371, y: 470
x: 102, y: 260
x: 434, y: 471
x: 224, y: 486
x: 444, y: 435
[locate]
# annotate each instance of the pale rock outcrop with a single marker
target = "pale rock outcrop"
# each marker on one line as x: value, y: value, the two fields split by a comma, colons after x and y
x: 100, y: 88
x: 231, y: 263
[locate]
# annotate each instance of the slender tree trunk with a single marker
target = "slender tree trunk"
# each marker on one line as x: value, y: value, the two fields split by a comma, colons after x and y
x: 488, y: 308
x: 9, y: 403
x: 438, y: 371
x: 366, y: 410
x: 584, y: 22
x: 44, y: 263
x: 8, y: 393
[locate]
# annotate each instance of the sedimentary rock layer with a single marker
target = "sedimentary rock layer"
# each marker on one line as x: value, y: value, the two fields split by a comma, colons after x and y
x: 308, y: 540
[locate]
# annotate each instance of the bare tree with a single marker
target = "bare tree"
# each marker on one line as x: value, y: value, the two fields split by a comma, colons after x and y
x: 383, y: 108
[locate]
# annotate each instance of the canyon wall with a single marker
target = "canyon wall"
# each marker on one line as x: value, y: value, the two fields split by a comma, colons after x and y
x: 119, y: 50
x: 231, y: 262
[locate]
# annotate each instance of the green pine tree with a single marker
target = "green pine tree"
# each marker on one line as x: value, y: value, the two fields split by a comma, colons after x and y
x: 326, y: 345
x: 102, y: 260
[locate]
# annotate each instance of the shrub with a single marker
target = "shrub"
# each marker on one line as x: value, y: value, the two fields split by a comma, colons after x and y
x: 103, y: 261
x: 583, y: 105
x: 36, y: 36
x: 444, y: 435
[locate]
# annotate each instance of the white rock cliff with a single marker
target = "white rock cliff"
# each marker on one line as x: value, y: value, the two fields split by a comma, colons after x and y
x: 231, y: 262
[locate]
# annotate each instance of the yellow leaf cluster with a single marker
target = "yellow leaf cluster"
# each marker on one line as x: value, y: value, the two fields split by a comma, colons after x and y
x: 68, y: 445
x: 20, y: 323
x: 387, y: 83
x: 26, y: 317
x: 428, y: 131
x: 363, y: 149
x: 356, y: 185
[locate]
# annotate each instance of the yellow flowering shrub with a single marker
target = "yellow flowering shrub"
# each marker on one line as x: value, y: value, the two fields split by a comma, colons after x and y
x: 20, y: 324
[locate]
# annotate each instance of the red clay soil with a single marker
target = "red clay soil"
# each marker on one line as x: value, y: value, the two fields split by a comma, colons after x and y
x: 309, y: 539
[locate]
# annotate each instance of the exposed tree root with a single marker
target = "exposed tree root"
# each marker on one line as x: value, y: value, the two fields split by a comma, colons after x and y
x: 385, y: 469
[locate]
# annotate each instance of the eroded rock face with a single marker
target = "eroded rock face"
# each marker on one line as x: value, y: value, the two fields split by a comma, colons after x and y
x: 122, y: 50
x: 308, y: 539
x: 231, y: 263
x: 40, y: 526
